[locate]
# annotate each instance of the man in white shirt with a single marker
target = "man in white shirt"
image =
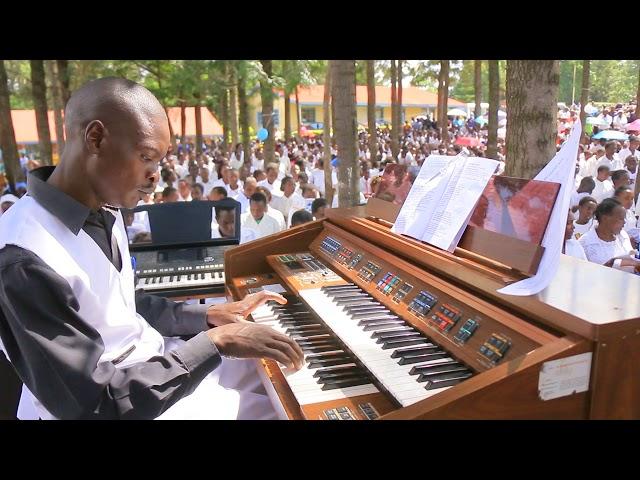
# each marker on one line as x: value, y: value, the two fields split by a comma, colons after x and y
x: 257, y: 160
x: 288, y: 200
x: 271, y: 182
x: 205, y: 180
x: 248, y: 189
x: 611, y: 158
x: 223, y: 181
x: 237, y: 157
x: 234, y: 187
x: 585, y: 189
x: 256, y: 218
x: 632, y: 149
x: 572, y: 246
x: 604, y: 186
x: 184, y: 191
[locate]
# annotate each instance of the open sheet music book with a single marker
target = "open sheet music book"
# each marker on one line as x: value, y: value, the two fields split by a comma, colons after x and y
x: 442, y: 199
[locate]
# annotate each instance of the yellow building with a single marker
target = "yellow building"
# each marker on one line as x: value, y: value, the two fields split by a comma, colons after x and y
x: 415, y: 101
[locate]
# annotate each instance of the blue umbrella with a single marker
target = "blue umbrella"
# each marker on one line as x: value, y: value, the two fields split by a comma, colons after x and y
x: 481, y: 121
x: 611, y: 135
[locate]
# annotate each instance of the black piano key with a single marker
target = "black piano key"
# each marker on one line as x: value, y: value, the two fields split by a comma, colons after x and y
x: 363, y: 311
x: 308, y: 349
x: 147, y: 280
x: 305, y: 329
x: 399, y: 335
x: 347, y: 294
x: 402, y: 343
x: 410, y: 350
x: 327, y: 355
x: 384, y: 319
x: 329, y: 362
x: 333, y: 288
x: 347, y: 383
x: 337, y: 368
x: 293, y: 323
x: 349, y: 303
x: 309, y: 334
x: 379, y: 326
x: 400, y: 328
x: 426, y: 357
x: 310, y: 337
x: 343, y: 380
x: 171, y: 278
x: 451, y: 372
x: 202, y: 276
x: 377, y: 316
x: 343, y: 373
x: 448, y: 382
x: 418, y: 369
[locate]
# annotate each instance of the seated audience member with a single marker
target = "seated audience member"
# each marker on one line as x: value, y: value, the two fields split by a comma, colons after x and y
x: 299, y: 217
x: 571, y: 245
x: 6, y: 202
x: 234, y: 187
x: 604, y: 185
x: 587, y: 184
x: 257, y: 219
x: 248, y: 189
x: 184, y: 190
x: 288, y: 200
x: 217, y: 193
x: 272, y: 212
x: 607, y: 243
x: 271, y: 181
x: 197, y: 192
x: 585, y: 221
x: 318, y: 208
x: 259, y: 175
x: 169, y: 195
x: 624, y: 194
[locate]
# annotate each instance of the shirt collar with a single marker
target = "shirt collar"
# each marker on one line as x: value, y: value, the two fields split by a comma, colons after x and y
x: 69, y: 211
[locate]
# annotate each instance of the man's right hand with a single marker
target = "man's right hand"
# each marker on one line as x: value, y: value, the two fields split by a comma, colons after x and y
x: 248, y: 340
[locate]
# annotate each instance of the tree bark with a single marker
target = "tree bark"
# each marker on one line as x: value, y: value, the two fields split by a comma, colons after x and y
x: 57, y: 105
x: 532, y: 96
x: 394, y: 111
x: 39, y: 92
x: 638, y: 96
x: 287, y: 115
x: 244, y: 117
x: 584, y: 95
x: 224, y: 108
x: 64, y: 79
x: 326, y: 137
x: 298, y: 110
x: 440, y: 102
x: 198, y: 113
x: 174, y: 145
x: 445, y: 100
x: 183, y: 120
x: 477, y: 81
x: 7, y: 134
x: 343, y: 94
x: 399, y: 95
x: 494, y: 104
x: 371, y: 108
x: 233, y: 103
x: 266, y: 92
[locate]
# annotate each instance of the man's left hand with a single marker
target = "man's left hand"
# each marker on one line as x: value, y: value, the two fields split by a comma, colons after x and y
x: 235, y: 312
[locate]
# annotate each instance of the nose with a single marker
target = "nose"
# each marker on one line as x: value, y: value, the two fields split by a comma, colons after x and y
x: 154, y: 177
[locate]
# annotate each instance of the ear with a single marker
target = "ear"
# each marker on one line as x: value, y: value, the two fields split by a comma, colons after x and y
x: 94, y: 134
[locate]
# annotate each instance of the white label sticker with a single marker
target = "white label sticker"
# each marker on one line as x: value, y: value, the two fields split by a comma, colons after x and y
x: 565, y: 376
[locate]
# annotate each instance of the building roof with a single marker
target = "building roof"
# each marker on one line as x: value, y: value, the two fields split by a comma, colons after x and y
x: 24, y: 124
x: 411, y: 96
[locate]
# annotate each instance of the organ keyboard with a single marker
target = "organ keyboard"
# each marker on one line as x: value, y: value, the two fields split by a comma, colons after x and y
x: 392, y: 328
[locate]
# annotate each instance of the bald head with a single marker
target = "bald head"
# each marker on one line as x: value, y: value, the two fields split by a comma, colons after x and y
x: 118, y: 103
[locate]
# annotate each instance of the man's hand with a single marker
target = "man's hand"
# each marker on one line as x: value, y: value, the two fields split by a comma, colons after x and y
x: 235, y: 312
x: 249, y: 340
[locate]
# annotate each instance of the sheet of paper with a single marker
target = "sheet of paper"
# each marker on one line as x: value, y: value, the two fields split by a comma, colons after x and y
x: 565, y: 376
x: 425, y: 191
x: 273, y: 287
x: 560, y: 169
x: 467, y: 182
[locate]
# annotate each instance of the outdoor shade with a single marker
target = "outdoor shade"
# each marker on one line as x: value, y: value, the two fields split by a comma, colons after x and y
x: 468, y: 141
x: 456, y: 112
x: 611, y: 135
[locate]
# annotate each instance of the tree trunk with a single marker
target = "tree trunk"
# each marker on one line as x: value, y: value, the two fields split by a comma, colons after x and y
x: 399, y: 95
x: 371, y: 108
x: 343, y: 94
x: 266, y: 92
x: 287, y: 115
x: 199, y: 139
x: 57, y: 105
x: 233, y: 103
x: 532, y: 96
x: 445, y: 100
x: 298, y: 111
x: 326, y: 137
x: 584, y: 95
x: 244, y: 117
x: 63, y: 78
x: 183, y: 120
x: 494, y: 104
x: 478, y: 87
x: 394, y: 111
x: 7, y: 134
x: 440, y: 102
x: 224, y: 108
x: 174, y: 145
x: 39, y: 92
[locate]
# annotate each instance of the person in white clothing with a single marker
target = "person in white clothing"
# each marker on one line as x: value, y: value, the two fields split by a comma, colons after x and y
x: 184, y: 191
x: 248, y: 189
x: 608, y: 244
x: 585, y: 220
x: 288, y: 200
x: 272, y: 212
x: 237, y: 157
x: 611, y: 158
x: 571, y: 246
x: 205, y: 180
x: 631, y: 166
x: 585, y: 189
x: 624, y: 194
x: 604, y: 186
x: 234, y: 187
x: 257, y: 219
x: 271, y: 182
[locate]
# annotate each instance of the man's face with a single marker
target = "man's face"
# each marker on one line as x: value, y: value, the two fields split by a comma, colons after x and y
x: 289, y: 188
x: 196, y: 194
x: 124, y: 167
x: 184, y: 188
x: 633, y: 145
x: 215, y: 196
x: 603, y: 174
x: 295, y: 171
x: 173, y: 197
x: 568, y: 233
x: 225, y: 173
x: 233, y: 179
x: 610, y: 150
x: 631, y: 163
x: 227, y: 223
x: 319, y: 213
x: 204, y: 174
x: 272, y: 174
x: 249, y: 189
x: 624, y: 180
x: 586, y: 211
x: 258, y: 209
x: 626, y: 199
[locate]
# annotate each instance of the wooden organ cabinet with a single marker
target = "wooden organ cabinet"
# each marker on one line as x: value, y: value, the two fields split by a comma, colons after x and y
x: 393, y: 328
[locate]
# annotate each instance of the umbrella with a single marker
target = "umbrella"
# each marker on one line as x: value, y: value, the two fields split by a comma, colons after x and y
x: 634, y: 126
x: 456, y: 112
x: 610, y: 135
x: 468, y: 141
x: 589, y: 109
x: 596, y: 121
x: 481, y: 120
